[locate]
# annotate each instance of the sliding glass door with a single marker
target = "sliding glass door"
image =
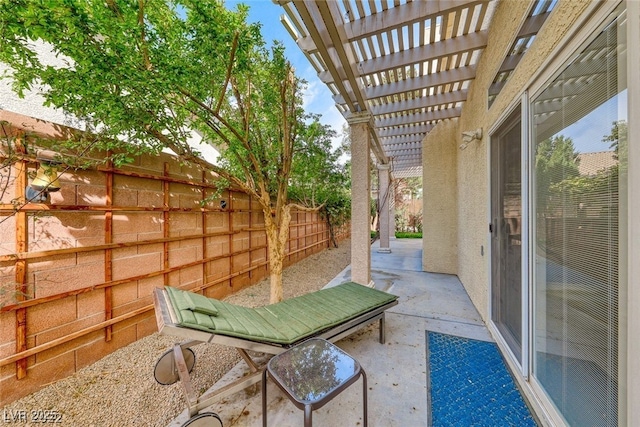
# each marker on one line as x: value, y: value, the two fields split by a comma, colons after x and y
x: 579, y: 124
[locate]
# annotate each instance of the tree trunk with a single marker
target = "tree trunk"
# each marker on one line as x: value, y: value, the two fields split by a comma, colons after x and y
x: 277, y: 236
x: 275, y: 276
x: 332, y: 235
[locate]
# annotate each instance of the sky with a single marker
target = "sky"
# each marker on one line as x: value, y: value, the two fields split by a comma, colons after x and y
x: 318, y: 99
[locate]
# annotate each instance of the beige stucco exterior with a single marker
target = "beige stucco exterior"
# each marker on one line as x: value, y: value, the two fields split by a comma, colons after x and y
x: 440, y: 202
x: 470, y: 248
x: 360, y: 189
x: 563, y: 32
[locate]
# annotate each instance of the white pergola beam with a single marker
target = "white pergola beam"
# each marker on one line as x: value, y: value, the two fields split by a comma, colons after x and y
x: 330, y: 14
x: 405, y: 130
x: 532, y: 25
x: 417, y: 55
x: 314, y: 33
x: 423, y: 102
x: 395, y: 153
x: 401, y: 166
x: 447, y: 47
x: 417, y: 83
x: 415, y: 142
x: 401, y: 15
x: 403, y: 143
x: 407, y: 83
x: 430, y: 116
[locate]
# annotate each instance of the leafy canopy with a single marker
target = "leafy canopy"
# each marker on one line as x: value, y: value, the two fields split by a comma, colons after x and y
x: 142, y: 75
x: 150, y: 71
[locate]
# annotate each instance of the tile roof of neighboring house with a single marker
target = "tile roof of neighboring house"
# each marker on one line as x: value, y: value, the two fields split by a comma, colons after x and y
x: 592, y: 163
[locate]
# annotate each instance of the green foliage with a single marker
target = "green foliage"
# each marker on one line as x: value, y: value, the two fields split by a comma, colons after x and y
x: 556, y: 160
x: 411, y: 187
x: 618, y: 140
x: 317, y: 176
x: 597, y: 193
x: 143, y: 76
x: 150, y: 72
x: 407, y: 191
x: 565, y: 191
x: 127, y: 67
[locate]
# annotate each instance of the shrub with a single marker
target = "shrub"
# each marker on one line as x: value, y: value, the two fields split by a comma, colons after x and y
x: 407, y: 235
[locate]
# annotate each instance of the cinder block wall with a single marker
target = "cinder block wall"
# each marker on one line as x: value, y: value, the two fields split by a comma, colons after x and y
x: 77, y: 274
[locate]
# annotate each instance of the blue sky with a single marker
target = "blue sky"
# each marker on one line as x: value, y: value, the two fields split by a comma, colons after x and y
x: 317, y: 96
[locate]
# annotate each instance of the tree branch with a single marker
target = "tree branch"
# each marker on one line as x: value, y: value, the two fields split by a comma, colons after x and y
x: 243, y: 139
x: 180, y: 151
x: 143, y: 42
x: 306, y: 208
x: 234, y: 47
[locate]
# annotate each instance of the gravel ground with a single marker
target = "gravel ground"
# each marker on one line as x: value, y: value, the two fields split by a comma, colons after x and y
x: 119, y: 390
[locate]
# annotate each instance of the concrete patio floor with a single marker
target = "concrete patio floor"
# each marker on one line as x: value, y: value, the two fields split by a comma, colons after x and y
x: 396, y: 370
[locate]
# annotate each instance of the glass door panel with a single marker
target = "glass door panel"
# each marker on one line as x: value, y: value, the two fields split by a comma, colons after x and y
x: 579, y: 138
x: 506, y: 232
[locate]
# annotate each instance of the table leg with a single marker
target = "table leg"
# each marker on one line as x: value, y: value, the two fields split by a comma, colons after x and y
x: 364, y: 396
x: 307, y: 415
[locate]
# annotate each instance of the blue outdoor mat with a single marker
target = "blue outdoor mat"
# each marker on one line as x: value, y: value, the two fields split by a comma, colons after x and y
x: 468, y: 384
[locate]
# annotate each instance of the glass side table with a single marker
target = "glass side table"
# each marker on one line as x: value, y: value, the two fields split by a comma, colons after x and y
x: 311, y: 374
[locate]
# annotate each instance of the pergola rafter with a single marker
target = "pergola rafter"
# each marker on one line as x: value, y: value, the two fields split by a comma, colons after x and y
x: 408, y: 63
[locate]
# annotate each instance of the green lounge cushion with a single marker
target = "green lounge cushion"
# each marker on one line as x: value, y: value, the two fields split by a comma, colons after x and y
x: 285, y: 322
x: 200, y: 304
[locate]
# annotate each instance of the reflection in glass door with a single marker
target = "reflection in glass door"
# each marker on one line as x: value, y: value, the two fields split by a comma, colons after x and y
x: 580, y: 173
x: 506, y: 229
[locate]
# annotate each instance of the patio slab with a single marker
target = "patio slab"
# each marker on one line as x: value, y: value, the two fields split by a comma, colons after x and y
x: 396, y: 370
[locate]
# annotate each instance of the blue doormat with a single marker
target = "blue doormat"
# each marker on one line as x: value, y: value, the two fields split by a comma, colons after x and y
x: 468, y: 384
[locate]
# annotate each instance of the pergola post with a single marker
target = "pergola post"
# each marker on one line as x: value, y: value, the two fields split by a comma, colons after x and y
x: 359, y: 124
x: 384, y: 194
x: 392, y: 209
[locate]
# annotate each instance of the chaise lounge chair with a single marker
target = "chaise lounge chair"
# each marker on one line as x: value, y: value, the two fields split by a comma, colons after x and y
x: 331, y: 313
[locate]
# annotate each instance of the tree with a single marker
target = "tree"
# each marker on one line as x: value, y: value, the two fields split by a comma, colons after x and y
x: 142, y: 75
x: 618, y: 141
x: 318, y: 177
x: 556, y: 161
x: 599, y: 192
x: 407, y: 190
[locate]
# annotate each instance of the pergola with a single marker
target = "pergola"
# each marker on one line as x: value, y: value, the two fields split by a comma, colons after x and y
x: 395, y: 69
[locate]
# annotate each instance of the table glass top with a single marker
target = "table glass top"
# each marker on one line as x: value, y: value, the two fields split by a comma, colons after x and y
x: 312, y: 370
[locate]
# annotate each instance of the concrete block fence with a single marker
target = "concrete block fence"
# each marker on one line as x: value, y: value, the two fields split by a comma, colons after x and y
x: 76, y: 274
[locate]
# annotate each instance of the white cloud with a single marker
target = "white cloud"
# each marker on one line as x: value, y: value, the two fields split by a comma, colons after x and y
x: 310, y: 96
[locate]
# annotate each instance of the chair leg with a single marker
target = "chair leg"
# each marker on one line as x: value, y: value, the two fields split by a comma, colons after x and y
x: 264, y: 398
x: 382, y: 334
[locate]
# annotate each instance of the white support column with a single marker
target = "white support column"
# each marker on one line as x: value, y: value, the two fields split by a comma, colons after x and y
x: 384, y: 193
x: 359, y: 124
x: 392, y: 209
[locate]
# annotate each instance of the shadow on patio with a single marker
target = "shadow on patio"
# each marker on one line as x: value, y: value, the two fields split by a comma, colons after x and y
x: 396, y: 371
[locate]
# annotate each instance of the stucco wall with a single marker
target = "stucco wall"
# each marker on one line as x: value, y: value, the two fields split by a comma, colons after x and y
x: 472, y: 163
x: 472, y: 170
x: 31, y: 102
x: 440, y: 201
